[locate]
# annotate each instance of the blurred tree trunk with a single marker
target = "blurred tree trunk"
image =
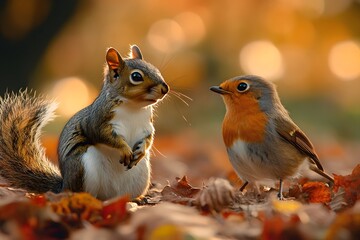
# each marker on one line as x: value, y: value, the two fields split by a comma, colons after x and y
x: 20, y: 55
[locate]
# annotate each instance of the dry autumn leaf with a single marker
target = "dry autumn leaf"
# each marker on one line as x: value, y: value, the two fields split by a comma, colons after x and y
x: 316, y: 192
x: 216, y: 195
x: 346, y: 225
x: 279, y: 227
x: 113, y: 212
x: 24, y: 219
x: 77, y: 207
x: 179, y: 191
x: 350, y: 184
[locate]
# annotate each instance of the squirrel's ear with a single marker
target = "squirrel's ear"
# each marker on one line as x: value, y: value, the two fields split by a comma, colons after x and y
x: 135, y: 52
x: 114, y: 60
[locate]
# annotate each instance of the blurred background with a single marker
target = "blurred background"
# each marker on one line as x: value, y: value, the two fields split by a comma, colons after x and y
x: 309, y: 48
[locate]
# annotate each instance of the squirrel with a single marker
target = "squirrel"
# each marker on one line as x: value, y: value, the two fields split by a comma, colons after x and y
x: 104, y: 149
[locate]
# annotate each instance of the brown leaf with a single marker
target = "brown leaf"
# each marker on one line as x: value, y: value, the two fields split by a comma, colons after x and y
x: 180, y: 191
x: 217, y: 195
x: 168, y: 221
x: 350, y: 184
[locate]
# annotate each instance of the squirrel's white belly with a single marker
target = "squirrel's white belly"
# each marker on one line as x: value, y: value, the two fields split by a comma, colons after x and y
x: 105, y: 176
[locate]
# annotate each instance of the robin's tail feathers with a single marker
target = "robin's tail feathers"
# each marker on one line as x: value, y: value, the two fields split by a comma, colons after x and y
x: 22, y: 158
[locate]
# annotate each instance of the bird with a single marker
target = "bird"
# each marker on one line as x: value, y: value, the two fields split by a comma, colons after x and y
x: 262, y: 141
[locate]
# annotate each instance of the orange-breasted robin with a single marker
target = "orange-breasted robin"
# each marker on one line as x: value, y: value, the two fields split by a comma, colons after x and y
x: 262, y: 141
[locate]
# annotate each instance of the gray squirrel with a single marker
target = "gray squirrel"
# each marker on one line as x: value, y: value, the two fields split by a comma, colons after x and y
x: 104, y: 149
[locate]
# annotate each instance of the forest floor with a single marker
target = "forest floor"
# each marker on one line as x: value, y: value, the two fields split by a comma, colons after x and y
x: 194, y: 195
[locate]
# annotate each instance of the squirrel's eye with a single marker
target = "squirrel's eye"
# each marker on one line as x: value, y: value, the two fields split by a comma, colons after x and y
x: 136, y: 77
x: 242, y: 87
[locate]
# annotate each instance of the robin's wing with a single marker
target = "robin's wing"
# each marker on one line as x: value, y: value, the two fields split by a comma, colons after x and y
x: 293, y: 135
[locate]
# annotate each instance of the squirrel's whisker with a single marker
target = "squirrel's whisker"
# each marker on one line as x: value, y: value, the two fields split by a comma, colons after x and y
x: 175, y: 94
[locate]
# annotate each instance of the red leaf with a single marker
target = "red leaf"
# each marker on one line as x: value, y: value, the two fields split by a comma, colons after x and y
x: 317, y: 192
x: 114, y: 211
x: 278, y: 227
x: 38, y: 199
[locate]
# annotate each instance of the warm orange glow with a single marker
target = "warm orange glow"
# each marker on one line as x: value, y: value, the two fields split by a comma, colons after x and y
x: 313, y: 8
x: 72, y: 94
x: 262, y: 58
x: 344, y: 60
x: 192, y: 26
x: 166, y: 36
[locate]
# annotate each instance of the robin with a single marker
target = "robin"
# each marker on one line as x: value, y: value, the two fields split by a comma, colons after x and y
x: 262, y: 141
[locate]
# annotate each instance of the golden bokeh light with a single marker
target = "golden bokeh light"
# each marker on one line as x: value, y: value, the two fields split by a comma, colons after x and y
x: 192, y: 26
x: 262, y: 58
x: 166, y: 36
x: 72, y: 94
x: 344, y: 60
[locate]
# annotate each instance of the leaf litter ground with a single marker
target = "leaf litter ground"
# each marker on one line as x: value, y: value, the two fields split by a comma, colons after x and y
x: 195, y: 207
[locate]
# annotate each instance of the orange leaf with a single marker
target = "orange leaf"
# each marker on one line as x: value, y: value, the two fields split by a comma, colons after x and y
x: 77, y: 207
x: 317, y: 192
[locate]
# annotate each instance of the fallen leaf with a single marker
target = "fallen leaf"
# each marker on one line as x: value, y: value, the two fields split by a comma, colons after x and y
x: 77, y: 207
x: 113, y: 212
x: 179, y: 191
x: 316, y: 192
x: 168, y: 218
x: 279, y: 227
x: 346, y: 225
x: 216, y: 195
x: 350, y: 184
x: 94, y: 233
x: 23, y: 219
x: 37, y: 199
x: 167, y: 231
x: 286, y: 207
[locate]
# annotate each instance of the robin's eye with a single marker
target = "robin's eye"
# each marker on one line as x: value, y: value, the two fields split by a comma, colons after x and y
x: 136, y: 77
x: 242, y: 87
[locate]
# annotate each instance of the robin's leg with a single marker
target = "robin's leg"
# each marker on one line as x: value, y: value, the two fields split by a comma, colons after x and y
x: 280, y: 195
x: 243, y: 186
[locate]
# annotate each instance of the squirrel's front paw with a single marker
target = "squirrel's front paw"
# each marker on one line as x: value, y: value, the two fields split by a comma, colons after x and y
x: 126, y: 156
x: 138, y: 153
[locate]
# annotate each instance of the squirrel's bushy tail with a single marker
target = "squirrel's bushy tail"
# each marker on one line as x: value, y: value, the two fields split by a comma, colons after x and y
x: 23, y: 163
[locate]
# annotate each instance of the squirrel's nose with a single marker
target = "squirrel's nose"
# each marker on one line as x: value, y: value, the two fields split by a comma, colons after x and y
x: 164, y: 88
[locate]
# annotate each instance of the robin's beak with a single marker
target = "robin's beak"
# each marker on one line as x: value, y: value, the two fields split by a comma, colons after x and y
x: 219, y: 90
